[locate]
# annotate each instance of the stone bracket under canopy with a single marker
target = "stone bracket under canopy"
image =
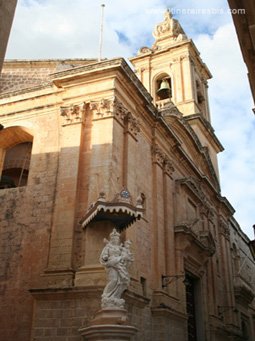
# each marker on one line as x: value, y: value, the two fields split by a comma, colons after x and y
x: 120, y: 211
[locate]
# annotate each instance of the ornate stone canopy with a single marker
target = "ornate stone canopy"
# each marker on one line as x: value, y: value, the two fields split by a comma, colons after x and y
x: 120, y: 211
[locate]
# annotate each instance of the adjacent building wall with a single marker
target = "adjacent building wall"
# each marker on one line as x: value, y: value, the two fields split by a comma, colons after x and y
x: 7, y: 10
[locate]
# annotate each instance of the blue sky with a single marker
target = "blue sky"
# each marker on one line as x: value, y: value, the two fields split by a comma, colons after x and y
x: 64, y: 29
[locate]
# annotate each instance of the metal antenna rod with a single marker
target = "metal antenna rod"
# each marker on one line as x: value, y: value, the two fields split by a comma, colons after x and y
x: 101, y: 33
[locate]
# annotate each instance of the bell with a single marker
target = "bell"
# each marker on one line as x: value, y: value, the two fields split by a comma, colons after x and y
x: 164, y: 90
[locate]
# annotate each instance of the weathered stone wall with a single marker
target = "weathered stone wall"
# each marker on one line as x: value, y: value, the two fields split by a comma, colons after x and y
x: 18, y: 74
x: 25, y: 220
x: 94, y: 131
x: 59, y: 316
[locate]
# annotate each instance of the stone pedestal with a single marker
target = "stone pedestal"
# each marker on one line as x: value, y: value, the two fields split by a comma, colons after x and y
x: 109, y: 324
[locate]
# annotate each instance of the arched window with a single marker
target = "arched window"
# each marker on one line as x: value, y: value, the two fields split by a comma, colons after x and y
x: 15, y: 147
x: 16, y: 165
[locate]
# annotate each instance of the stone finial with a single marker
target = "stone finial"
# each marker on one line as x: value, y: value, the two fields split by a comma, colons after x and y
x: 168, y: 32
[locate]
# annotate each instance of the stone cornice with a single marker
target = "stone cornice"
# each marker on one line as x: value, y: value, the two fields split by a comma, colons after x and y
x: 170, y: 112
x: 145, y: 52
x: 60, y: 77
x: 207, y: 126
x: 194, y: 186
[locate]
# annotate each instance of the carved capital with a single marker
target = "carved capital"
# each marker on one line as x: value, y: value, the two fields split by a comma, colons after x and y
x: 73, y: 114
x: 168, y: 167
x: 113, y: 107
x: 126, y: 118
x: 133, y: 124
x: 102, y: 108
x: 158, y: 156
x: 184, y: 57
x: 224, y: 229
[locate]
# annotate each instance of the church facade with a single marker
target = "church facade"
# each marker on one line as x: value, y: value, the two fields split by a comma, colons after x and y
x: 89, y: 146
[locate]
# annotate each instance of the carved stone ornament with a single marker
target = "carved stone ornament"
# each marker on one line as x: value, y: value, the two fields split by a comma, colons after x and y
x: 113, y: 107
x: 190, y: 240
x: 169, y: 28
x: 224, y: 229
x: 73, y: 114
x: 116, y: 258
x: 120, y: 211
x: 168, y: 167
x: 144, y: 50
x: 102, y: 108
x: 159, y: 157
x: 195, y: 186
x: 133, y: 124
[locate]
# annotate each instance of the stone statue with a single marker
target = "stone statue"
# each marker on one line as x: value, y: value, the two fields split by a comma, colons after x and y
x: 116, y: 259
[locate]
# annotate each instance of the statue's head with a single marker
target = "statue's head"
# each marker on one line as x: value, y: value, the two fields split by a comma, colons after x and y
x: 115, y: 237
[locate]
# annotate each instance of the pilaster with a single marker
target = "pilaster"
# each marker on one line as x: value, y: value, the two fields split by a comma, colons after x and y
x: 59, y: 270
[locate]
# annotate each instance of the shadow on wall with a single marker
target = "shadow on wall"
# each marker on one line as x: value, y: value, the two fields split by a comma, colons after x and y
x: 27, y: 208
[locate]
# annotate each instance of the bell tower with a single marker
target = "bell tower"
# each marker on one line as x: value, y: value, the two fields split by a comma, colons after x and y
x: 175, y: 75
x: 172, y: 69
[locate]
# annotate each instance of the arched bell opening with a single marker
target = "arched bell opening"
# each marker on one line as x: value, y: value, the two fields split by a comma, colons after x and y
x: 163, y: 88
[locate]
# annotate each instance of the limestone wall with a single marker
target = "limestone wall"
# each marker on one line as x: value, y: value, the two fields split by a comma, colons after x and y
x: 22, y: 74
x: 93, y: 130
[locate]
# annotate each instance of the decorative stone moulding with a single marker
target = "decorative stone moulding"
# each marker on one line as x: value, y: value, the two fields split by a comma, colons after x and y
x: 120, y: 211
x: 195, y: 186
x: 73, y: 114
x: 113, y: 107
x: 160, y: 158
x: 110, y: 332
x: 144, y: 50
x: 102, y: 108
x: 202, y: 240
x: 224, y: 229
x: 242, y: 291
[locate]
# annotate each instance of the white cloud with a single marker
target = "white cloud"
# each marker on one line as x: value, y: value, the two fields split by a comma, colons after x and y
x: 64, y: 29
